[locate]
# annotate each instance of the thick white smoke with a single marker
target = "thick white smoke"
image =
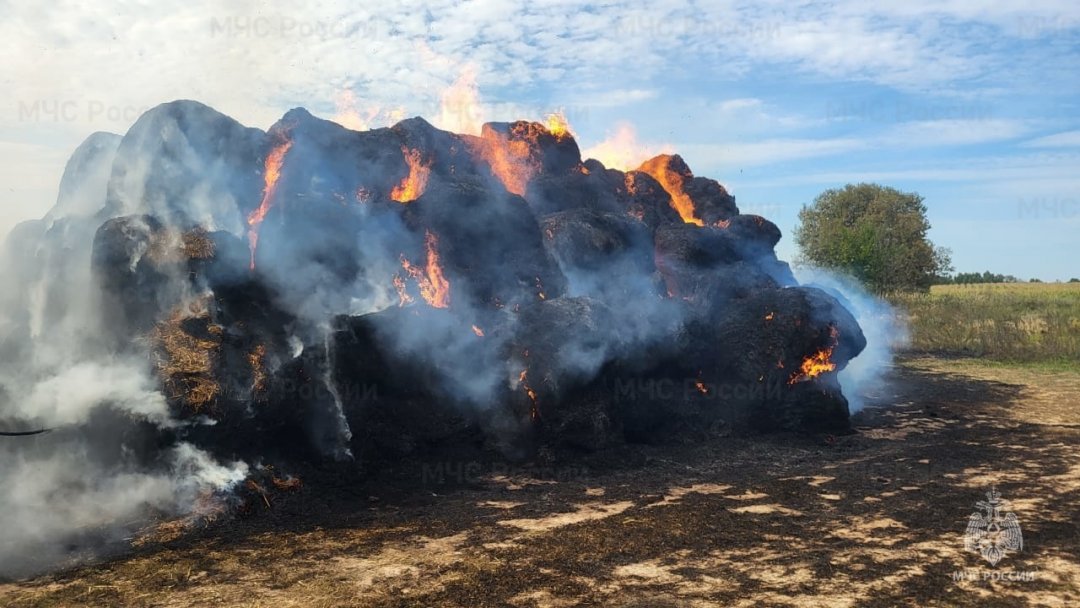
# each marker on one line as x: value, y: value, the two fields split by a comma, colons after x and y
x: 884, y: 329
x: 97, y: 476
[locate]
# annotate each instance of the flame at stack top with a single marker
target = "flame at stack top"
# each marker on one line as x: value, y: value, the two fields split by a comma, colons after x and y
x: 434, y: 287
x: 415, y: 182
x: 272, y: 172
x: 674, y: 182
x: 510, y: 155
x: 558, y: 126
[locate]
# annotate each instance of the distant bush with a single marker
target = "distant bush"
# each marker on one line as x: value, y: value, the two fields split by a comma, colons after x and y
x: 970, y: 278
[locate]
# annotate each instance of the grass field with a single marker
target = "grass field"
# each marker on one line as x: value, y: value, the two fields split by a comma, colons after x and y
x: 1028, y: 323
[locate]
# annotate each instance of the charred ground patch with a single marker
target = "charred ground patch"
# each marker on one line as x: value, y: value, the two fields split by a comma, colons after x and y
x: 873, y: 518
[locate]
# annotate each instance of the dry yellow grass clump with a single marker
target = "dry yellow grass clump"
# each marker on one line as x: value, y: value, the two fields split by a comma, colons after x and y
x: 197, y: 245
x: 171, y: 247
x: 258, y: 370
x: 185, y: 362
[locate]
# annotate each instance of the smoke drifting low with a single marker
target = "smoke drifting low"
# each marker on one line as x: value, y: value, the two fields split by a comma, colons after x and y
x: 885, y: 330
x: 207, y: 297
x: 99, y: 472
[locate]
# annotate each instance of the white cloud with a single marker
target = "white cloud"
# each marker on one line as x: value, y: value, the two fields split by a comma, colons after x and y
x: 255, y: 59
x: 741, y: 155
x: 1068, y: 139
x: 952, y: 132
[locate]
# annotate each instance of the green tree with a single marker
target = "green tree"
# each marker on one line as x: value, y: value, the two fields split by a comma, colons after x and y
x: 876, y: 233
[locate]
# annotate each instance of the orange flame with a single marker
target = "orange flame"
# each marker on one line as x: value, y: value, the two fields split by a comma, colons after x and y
x: 460, y: 110
x: 403, y: 295
x: 351, y: 114
x: 534, y: 412
x: 558, y: 125
x: 509, y: 156
x: 287, y: 484
x: 434, y: 287
x: 674, y: 183
x: 271, y: 173
x: 621, y: 150
x: 817, y: 363
x: 415, y: 182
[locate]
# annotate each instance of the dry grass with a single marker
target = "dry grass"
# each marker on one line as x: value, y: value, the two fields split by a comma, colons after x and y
x: 258, y: 370
x: 185, y: 362
x: 197, y: 245
x: 1016, y: 323
x: 171, y: 246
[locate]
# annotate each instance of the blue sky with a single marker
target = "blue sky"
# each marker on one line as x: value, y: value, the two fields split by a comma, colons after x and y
x: 973, y: 105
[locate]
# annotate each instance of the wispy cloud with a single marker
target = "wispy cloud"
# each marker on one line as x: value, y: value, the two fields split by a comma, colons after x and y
x: 730, y: 85
x: 1068, y: 139
x: 773, y: 151
x: 934, y: 133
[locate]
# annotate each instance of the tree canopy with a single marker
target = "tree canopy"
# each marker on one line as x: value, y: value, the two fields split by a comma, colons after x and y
x: 875, y: 233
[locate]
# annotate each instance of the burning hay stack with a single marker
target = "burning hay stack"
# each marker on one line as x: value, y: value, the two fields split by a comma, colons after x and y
x: 312, y: 290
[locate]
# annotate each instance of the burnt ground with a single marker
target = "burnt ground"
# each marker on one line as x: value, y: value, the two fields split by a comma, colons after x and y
x: 870, y: 519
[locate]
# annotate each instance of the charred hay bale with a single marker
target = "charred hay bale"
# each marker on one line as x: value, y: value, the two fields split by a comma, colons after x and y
x: 760, y: 351
x: 444, y: 155
x: 696, y: 247
x: 634, y: 193
x: 220, y: 259
x: 548, y: 193
x: 185, y: 349
x: 533, y: 144
x: 146, y: 269
x: 712, y: 202
x: 712, y: 290
x: 305, y: 222
x: 559, y: 347
x: 594, y: 166
x: 489, y: 245
x: 327, y: 164
x: 84, y: 184
x: 182, y: 160
x: 644, y: 199
x: 706, y: 266
x: 697, y: 199
x: 411, y: 378
x: 597, y: 250
x: 215, y: 353
x: 133, y: 284
x: 758, y: 234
